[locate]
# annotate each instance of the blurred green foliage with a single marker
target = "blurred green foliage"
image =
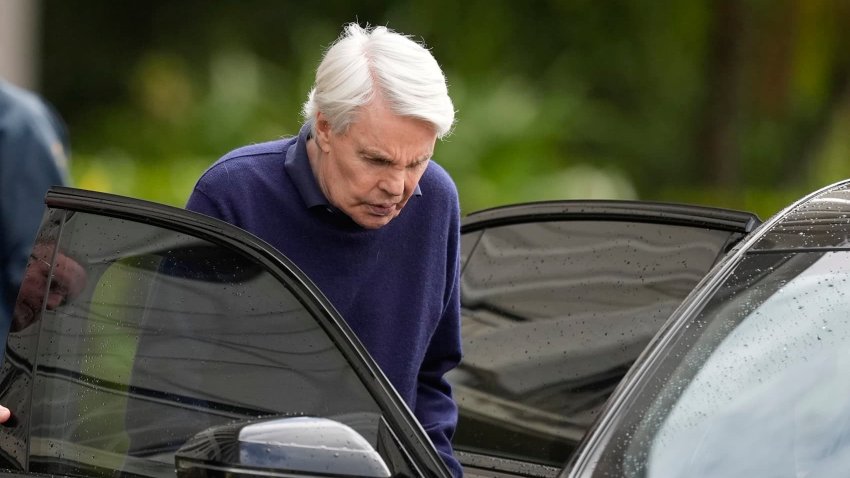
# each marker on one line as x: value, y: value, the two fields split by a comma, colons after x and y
x: 744, y: 104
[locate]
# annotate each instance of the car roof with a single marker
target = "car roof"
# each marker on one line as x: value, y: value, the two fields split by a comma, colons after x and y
x: 818, y: 221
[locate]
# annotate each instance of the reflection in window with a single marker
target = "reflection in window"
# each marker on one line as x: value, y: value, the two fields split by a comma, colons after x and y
x: 173, y: 335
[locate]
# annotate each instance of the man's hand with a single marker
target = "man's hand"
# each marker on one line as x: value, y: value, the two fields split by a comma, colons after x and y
x: 5, y: 414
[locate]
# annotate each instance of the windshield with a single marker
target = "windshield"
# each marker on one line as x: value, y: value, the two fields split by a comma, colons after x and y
x: 756, y: 385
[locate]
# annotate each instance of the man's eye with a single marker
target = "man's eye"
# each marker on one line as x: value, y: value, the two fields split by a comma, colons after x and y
x: 378, y: 161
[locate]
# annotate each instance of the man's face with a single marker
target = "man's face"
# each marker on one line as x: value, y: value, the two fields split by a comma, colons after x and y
x: 370, y: 171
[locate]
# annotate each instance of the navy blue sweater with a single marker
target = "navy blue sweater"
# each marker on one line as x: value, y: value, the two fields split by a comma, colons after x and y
x: 396, y: 286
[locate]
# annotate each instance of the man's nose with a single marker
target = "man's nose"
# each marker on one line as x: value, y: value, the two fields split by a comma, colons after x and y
x: 393, y: 182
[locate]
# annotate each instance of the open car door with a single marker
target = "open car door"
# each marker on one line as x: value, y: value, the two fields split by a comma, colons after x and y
x: 558, y: 300
x: 149, y: 340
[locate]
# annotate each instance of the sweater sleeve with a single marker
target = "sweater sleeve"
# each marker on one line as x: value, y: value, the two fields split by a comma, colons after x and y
x: 435, y: 407
x: 200, y: 202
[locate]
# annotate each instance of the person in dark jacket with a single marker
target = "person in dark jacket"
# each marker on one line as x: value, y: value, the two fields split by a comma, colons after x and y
x: 356, y: 201
x: 33, y: 157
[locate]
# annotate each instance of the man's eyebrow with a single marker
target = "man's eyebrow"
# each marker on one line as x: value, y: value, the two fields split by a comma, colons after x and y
x: 422, y: 159
x: 375, y: 154
x: 372, y: 153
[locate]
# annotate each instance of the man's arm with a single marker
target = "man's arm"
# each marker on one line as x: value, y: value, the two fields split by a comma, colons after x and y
x: 200, y: 202
x: 435, y: 408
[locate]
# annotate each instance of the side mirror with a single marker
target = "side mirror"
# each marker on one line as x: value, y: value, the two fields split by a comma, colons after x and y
x: 277, y: 448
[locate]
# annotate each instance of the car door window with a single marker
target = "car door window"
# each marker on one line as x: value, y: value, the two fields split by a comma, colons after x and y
x: 554, y: 314
x: 167, y: 335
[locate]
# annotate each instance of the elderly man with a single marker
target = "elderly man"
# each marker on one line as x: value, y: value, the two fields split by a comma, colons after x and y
x: 356, y: 202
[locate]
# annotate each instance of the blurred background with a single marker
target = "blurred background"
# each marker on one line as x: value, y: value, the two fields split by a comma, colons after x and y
x: 736, y: 103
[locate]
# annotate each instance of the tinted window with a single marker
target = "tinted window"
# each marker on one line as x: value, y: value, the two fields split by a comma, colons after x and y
x: 756, y: 385
x: 163, y: 336
x: 554, y: 313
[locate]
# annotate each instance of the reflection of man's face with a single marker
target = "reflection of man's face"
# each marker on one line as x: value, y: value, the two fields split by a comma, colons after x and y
x: 371, y: 170
x: 68, y: 280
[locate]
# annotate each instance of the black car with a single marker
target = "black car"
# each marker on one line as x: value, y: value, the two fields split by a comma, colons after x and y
x: 169, y: 342
x: 751, y: 375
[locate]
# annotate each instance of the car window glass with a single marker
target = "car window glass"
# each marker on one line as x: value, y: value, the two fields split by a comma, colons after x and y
x: 554, y: 313
x: 755, y: 384
x: 764, y: 399
x: 166, y: 336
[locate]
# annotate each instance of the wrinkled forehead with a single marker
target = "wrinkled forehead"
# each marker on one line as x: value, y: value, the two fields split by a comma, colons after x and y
x: 379, y: 109
x: 392, y: 145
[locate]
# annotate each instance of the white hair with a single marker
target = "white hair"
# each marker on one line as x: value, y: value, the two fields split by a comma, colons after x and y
x: 365, y: 62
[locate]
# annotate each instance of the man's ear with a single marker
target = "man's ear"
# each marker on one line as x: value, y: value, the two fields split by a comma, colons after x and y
x: 323, y: 133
